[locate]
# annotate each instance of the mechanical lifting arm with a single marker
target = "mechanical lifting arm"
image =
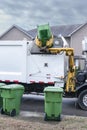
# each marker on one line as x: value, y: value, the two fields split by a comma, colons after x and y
x: 44, y: 39
x: 70, y: 81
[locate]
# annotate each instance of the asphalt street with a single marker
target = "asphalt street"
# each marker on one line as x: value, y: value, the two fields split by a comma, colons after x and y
x: 35, y: 103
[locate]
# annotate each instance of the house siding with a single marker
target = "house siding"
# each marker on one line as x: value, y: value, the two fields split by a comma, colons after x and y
x: 15, y: 34
x: 76, y: 40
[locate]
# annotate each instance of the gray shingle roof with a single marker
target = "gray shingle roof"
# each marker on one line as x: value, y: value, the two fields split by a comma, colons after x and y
x: 32, y: 32
x: 65, y: 30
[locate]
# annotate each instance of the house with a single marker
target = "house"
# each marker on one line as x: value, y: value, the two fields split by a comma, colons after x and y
x: 74, y: 34
x: 15, y: 33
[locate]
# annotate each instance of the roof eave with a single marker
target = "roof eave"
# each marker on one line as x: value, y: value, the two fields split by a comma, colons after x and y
x: 18, y: 29
x: 77, y: 29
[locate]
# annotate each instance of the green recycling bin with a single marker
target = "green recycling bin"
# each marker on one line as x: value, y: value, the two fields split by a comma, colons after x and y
x: 11, y: 95
x: 53, y: 103
x: 1, y: 99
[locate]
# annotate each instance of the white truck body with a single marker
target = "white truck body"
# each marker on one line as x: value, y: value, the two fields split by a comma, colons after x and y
x: 17, y: 64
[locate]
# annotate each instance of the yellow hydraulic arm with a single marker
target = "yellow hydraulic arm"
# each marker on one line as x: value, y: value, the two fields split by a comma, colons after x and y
x: 70, y: 81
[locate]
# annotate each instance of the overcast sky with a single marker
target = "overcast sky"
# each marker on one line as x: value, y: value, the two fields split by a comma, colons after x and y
x: 30, y: 13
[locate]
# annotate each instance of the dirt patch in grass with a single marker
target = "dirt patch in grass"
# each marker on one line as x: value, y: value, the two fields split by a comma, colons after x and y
x: 38, y: 123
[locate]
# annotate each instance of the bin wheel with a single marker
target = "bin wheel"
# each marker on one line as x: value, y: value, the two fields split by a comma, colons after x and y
x: 2, y: 111
x: 59, y: 118
x: 45, y: 117
x: 13, y: 113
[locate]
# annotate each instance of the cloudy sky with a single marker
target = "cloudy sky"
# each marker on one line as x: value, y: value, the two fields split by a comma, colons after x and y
x: 30, y: 13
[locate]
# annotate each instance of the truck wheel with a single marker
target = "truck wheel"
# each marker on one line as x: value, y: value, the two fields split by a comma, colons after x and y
x: 82, y: 100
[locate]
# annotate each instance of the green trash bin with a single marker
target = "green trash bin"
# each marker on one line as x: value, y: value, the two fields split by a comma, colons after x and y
x: 53, y: 103
x: 11, y: 95
x: 1, y: 99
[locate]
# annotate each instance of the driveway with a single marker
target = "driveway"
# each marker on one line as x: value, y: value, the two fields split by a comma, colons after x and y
x: 35, y: 103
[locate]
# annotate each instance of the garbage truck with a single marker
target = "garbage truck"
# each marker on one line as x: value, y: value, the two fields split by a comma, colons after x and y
x: 41, y: 63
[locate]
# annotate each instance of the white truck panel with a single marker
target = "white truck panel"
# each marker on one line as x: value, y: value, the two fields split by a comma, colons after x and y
x: 17, y: 64
x: 46, y: 68
x: 13, y: 60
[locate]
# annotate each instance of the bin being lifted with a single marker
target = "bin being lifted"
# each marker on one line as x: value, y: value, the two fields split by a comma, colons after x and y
x: 44, y: 36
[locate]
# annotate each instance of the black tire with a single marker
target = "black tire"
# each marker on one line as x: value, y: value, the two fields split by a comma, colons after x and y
x: 13, y: 113
x: 45, y: 117
x: 82, y: 100
x: 2, y: 111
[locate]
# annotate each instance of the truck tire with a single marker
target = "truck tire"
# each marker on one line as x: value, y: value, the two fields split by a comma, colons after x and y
x: 82, y: 100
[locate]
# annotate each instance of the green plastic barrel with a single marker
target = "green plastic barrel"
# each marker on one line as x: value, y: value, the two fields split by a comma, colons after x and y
x: 11, y: 95
x: 1, y: 99
x: 53, y: 103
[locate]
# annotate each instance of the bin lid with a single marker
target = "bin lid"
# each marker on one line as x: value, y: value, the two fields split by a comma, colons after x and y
x: 13, y: 87
x: 53, y: 89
